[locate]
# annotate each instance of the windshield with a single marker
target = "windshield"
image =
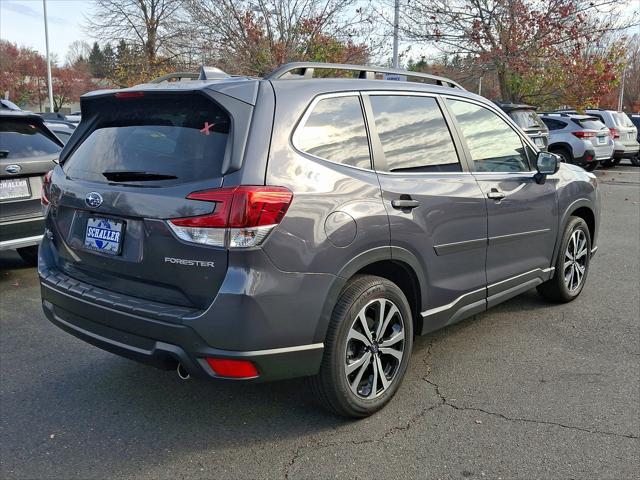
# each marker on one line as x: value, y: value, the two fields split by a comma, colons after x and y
x: 20, y: 139
x: 174, y: 139
x: 526, y: 119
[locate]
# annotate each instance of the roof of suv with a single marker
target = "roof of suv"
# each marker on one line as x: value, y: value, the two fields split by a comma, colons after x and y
x: 245, y: 88
x: 571, y: 116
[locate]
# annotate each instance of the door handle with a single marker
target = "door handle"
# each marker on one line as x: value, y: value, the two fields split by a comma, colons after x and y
x: 405, y: 203
x: 496, y: 194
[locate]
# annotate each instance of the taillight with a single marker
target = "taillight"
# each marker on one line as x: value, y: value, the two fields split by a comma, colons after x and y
x: 46, y: 188
x: 614, y: 133
x: 585, y: 134
x: 231, y: 368
x: 242, y: 217
x: 128, y: 94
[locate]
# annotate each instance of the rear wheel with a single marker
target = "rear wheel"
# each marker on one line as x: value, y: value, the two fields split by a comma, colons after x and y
x: 635, y: 161
x: 590, y: 167
x: 607, y: 163
x: 565, y: 156
x: 572, y: 265
x: 29, y: 255
x: 367, y: 348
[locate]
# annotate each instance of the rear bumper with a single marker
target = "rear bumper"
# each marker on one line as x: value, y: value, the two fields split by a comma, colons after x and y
x: 22, y: 233
x: 164, y: 345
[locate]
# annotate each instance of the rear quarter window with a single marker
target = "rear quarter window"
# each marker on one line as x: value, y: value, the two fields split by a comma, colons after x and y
x: 24, y: 138
x: 177, y: 138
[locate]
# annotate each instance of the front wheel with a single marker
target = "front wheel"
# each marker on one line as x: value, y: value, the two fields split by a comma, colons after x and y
x: 367, y: 348
x: 572, y: 265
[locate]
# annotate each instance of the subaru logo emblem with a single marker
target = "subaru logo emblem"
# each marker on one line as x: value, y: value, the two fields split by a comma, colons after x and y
x: 93, y: 199
x: 13, y: 169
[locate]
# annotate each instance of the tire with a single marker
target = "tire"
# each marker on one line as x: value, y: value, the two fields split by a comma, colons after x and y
x: 567, y: 283
x: 345, y: 345
x: 635, y: 161
x: 615, y: 161
x: 590, y: 167
x: 607, y: 163
x: 565, y: 156
x: 29, y: 255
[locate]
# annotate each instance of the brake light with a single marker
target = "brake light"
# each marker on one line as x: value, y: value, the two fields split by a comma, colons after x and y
x: 584, y: 134
x: 614, y: 133
x: 46, y: 187
x: 232, y: 368
x: 128, y: 94
x: 244, y: 214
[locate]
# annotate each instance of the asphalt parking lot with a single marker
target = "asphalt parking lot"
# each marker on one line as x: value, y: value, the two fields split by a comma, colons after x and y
x: 526, y: 390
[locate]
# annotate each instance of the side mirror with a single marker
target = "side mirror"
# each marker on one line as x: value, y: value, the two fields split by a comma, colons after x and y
x: 546, y: 164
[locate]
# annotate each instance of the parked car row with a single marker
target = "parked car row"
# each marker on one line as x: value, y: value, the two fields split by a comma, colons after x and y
x: 597, y: 137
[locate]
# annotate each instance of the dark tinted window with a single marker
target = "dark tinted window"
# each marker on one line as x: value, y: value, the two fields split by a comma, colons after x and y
x: 493, y: 144
x: 335, y: 131
x: 590, y: 123
x: 526, y: 119
x: 172, y: 138
x: 554, y: 124
x: 413, y: 134
x: 20, y: 139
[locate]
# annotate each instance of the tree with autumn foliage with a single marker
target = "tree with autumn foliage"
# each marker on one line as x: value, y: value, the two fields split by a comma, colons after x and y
x: 23, y: 74
x: 254, y: 37
x: 69, y: 83
x: 539, y: 51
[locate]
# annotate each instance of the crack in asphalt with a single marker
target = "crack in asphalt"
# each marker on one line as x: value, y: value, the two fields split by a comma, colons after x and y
x: 443, y: 402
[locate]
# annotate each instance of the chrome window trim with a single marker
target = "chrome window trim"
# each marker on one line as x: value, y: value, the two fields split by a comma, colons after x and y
x: 307, y: 113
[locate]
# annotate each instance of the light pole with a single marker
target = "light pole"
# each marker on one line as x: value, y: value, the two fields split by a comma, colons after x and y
x: 396, y: 21
x: 46, y: 41
x: 621, y: 97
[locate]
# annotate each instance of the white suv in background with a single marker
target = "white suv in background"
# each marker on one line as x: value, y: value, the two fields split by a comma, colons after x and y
x: 622, y: 130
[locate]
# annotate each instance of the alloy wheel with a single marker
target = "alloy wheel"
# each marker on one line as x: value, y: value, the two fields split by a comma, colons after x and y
x: 375, y: 348
x: 575, y: 260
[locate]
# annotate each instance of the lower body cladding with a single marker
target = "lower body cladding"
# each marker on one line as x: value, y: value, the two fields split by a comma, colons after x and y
x: 21, y: 233
x: 257, y: 328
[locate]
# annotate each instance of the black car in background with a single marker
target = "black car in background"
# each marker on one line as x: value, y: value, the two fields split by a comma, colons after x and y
x: 527, y: 119
x: 28, y: 150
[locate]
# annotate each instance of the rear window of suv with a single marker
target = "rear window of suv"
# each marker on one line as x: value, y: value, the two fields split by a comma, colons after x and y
x: 169, y: 138
x: 24, y: 138
x: 589, y: 123
x: 526, y: 119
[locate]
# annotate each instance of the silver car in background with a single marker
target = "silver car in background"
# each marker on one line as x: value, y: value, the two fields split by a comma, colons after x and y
x: 579, y: 139
x: 623, y: 131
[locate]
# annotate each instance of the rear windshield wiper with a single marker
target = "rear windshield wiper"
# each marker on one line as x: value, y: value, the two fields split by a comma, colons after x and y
x: 136, y: 176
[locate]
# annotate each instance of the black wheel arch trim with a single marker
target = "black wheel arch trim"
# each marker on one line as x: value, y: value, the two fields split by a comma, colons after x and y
x: 356, y: 264
x: 580, y: 203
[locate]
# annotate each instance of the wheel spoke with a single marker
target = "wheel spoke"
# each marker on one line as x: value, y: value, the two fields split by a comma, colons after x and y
x: 392, y: 311
x: 581, y: 253
x: 567, y: 265
x: 374, y: 382
x: 382, y: 304
x: 364, y: 359
x: 394, y: 339
x: 391, y: 351
x: 355, y: 335
x: 383, y: 377
x: 358, y: 378
x: 365, y: 327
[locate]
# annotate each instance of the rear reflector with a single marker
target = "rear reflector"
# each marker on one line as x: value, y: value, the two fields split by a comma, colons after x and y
x: 225, y: 367
x: 248, y: 213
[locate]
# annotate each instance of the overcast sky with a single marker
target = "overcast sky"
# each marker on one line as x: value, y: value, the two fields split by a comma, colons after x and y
x: 22, y: 22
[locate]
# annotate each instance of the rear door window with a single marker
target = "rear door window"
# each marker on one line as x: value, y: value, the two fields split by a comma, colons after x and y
x: 171, y: 138
x: 414, y: 134
x: 24, y: 138
x: 526, y: 119
x: 334, y: 130
x: 493, y: 144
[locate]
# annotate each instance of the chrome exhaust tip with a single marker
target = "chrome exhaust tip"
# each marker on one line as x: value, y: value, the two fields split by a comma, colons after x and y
x: 183, y: 374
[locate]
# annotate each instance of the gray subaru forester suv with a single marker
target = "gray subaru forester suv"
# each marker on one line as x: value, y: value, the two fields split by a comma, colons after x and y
x: 288, y: 226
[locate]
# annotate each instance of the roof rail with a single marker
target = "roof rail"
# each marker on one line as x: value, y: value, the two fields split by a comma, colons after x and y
x: 205, y: 73
x: 176, y: 75
x: 306, y: 71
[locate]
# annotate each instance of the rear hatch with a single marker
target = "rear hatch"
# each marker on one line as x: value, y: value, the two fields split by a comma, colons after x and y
x: 137, y: 157
x: 529, y: 121
x: 627, y: 131
x: 27, y: 151
x: 597, y: 133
